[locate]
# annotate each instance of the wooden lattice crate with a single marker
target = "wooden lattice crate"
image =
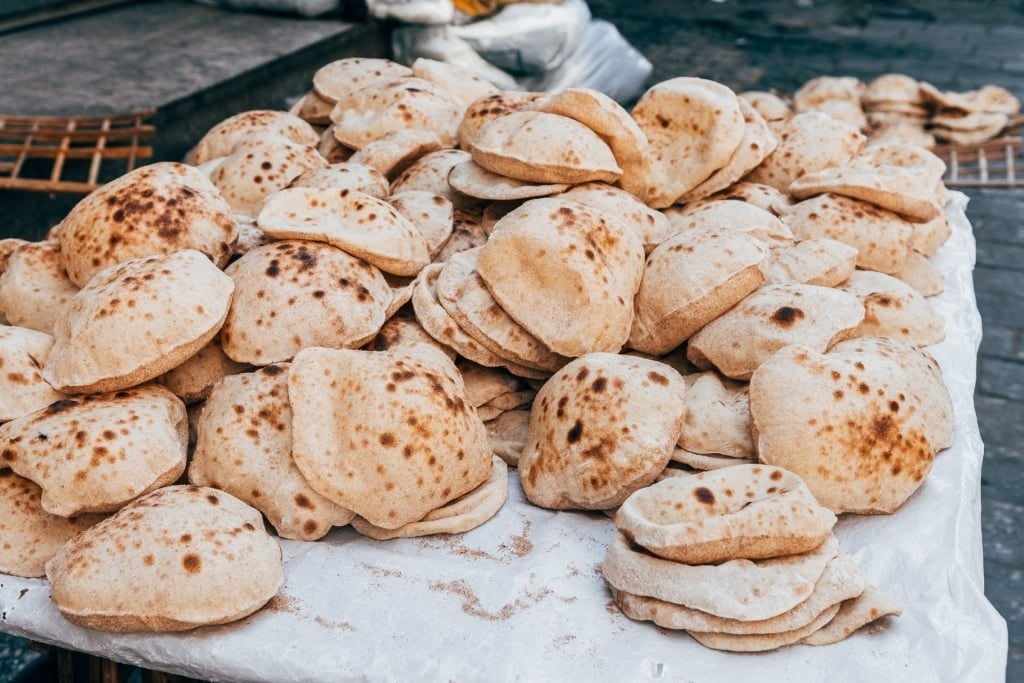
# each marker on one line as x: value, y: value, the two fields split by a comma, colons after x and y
x: 73, y: 153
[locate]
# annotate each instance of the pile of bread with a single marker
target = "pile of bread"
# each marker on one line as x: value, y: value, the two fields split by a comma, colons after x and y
x: 365, y: 310
x: 895, y: 107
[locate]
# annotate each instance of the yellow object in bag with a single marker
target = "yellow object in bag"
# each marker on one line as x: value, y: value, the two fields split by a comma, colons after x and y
x: 478, y: 8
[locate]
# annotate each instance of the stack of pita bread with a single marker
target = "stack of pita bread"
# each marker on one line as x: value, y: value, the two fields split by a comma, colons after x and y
x: 365, y: 310
x: 743, y: 559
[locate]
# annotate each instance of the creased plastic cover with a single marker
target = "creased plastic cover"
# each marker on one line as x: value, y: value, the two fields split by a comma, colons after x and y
x: 522, y: 597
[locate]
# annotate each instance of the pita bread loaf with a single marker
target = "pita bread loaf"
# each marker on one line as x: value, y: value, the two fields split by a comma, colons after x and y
x: 765, y: 197
x: 402, y: 329
x: 860, y: 424
x: 313, y: 109
x: 507, y: 434
x: 602, y: 427
x: 331, y: 149
x: 34, y: 287
x: 821, y: 89
x: 773, y: 316
x: 29, y: 535
x: 474, y: 180
x: 854, y: 613
x: 393, y: 152
x: 345, y: 175
x: 462, y: 84
x: 898, y: 189
x: 734, y: 214
x: 881, y: 237
x: 432, y: 214
x: 194, y: 378
x: 22, y: 387
x: 840, y: 581
x: 538, y: 147
x: 717, y: 416
x: 693, y: 127
x: 385, y: 106
x: 244, y: 447
x: 221, y: 140
x: 892, y: 87
x: 566, y: 272
x: 338, y: 79
x: 175, y: 302
x: 606, y: 117
x: 763, y: 642
x: 748, y: 511
x: 892, y: 308
x: 460, y: 515
x: 824, y: 262
x: 387, y: 434
x: 96, y: 453
x: 652, y: 226
x: 490, y: 107
x: 701, y: 462
x: 154, y: 209
x: 689, y: 280
x: 746, y: 590
x: 297, y: 293
x: 921, y: 274
x: 928, y: 237
x: 769, y: 105
x: 430, y: 172
x: 181, y: 557
x: 808, y: 142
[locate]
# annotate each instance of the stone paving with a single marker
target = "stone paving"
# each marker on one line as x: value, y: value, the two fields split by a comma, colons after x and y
x: 954, y: 44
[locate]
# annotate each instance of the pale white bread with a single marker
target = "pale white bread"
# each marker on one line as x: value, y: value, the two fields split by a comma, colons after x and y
x: 892, y: 308
x: 773, y: 316
x: 96, y: 453
x: 840, y: 581
x: 179, y: 558
x: 768, y: 104
x: 762, y: 643
x: 766, y: 197
x: 331, y: 149
x: 463, y: 294
x: 746, y: 590
x: 757, y: 143
x: 613, y: 124
x: 244, y: 447
x: 34, y: 287
x: 566, y: 272
x: 860, y: 424
x: 313, y: 109
x: 988, y: 98
x: 466, y: 512
x: 386, y: 434
x: 192, y: 380
x: 462, y: 84
x: 484, y: 384
x: 175, y: 302
x: 154, y: 209
x: 689, y: 280
x: 29, y: 535
x: 928, y: 237
x: 362, y: 225
x: 432, y: 214
x: 297, y: 293
x: 512, y: 399
x: 808, y: 142
x: 717, y: 416
x: 855, y: 613
x: 22, y: 387
x: 891, y: 87
x: 744, y: 512
x: 693, y: 127
x: 474, y: 180
x: 921, y: 274
x: 249, y: 235
x: 430, y: 172
x: 987, y: 123
x: 898, y: 189
x: 734, y: 214
x: 826, y: 262
x: 346, y: 175
x: 222, y: 138
x: 881, y: 237
x: 385, y: 106
x: 489, y: 107
x: 899, y: 131
x: 816, y: 91
x: 928, y: 166
x: 342, y: 77
x: 652, y: 226
x: 507, y: 434
x: 706, y: 461
x: 396, y: 150
x: 957, y: 136
x: 846, y: 111
x: 259, y: 166
x: 486, y: 413
x: 9, y: 244
x: 403, y: 328
x: 602, y: 427
x: 538, y: 147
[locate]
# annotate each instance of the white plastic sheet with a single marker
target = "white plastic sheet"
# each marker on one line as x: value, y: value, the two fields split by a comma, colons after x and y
x: 522, y: 597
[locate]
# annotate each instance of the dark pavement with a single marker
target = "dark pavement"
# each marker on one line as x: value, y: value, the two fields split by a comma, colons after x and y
x: 747, y: 44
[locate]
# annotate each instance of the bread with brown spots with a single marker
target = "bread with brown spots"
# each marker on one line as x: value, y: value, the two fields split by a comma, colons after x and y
x: 30, y: 535
x: 345, y: 175
x: 387, y: 434
x: 432, y: 214
x: 222, y: 139
x: 652, y: 226
x: 771, y: 317
x: 340, y: 78
x: 393, y: 152
x: 172, y: 303
x: 34, y: 287
x: 244, y: 447
x: 96, y: 453
x: 825, y: 262
x: 179, y: 558
x: 193, y: 380
x: 744, y: 512
x: 860, y: 424
x: 602, y: 427
x: 490, y: 107
x: 297, y: 293
x: 717, y: 416
x: 734, y: 214
x: 22, y: 387
x: 473, y: 180
x: 461, y: 83
x: 854, y: 613
x: 892, y: 308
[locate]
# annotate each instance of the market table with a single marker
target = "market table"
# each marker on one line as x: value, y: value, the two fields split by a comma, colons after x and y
x: 522, y: 597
